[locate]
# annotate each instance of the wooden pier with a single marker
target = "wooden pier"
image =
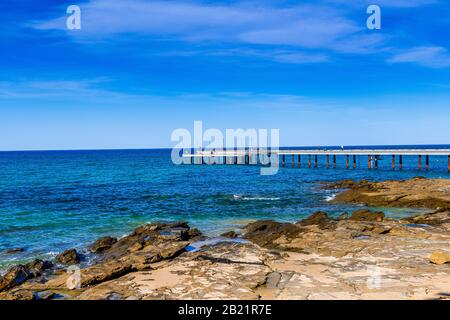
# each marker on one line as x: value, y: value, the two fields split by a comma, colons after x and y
x: 264, y: 157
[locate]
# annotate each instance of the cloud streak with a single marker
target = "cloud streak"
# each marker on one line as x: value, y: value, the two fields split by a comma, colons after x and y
x: 306, y: 26
x: 433, y: 57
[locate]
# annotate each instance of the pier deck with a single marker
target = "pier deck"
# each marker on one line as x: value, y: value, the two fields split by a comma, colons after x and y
x: 246, y: 156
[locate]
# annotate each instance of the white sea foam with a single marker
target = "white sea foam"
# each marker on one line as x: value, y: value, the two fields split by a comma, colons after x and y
x: 330, y: 197
x: 237, y: 197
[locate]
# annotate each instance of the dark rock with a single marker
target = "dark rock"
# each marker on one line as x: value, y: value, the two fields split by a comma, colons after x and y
x: 230, y: 234
x: 37, y: 267
x: 14, y: 276
x: 14, y: 250
x: 320, y: 219
x: 104, y: 272
x: 103, y: 244
x: 150, y: 234
x: 345, y: 184
x: 265, y: 232
x: 367, y: 215
x: 194, y: 233
x: 68, y: 257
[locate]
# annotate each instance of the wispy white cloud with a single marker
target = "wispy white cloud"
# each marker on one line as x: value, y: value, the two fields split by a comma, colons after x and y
x: 434, y: 57
x: 93, y: 91
x: 53, y: 89
x: 320, y: 27
x: 279, y: 55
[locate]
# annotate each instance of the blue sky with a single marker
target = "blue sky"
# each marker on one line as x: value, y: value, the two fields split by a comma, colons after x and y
x: 139, y: 69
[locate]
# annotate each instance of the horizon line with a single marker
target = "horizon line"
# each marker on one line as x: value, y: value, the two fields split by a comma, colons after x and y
x: 170, y: 148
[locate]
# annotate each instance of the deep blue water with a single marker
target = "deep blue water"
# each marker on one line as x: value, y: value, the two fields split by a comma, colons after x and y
x: 50, y: 201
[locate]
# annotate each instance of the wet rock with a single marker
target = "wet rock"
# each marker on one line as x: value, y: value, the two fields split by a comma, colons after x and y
x: 150, y: 234
x: 367, y: 215
x: 14, y: 250
x: 103, y: 244
x: 68, y: 257
x: 230, y: 234
x: 14, y: 276
x: 37, y: 267
x: 44, y: 295
x: 439, y: 257
x: 320, y: 219
x: 265, y: 232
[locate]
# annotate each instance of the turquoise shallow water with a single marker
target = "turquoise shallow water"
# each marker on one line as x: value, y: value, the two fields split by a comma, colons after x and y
x: 51, y: 201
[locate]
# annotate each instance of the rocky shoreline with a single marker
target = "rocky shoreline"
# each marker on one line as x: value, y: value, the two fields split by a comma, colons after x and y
x: 359, y: 255
x: 413, y: 193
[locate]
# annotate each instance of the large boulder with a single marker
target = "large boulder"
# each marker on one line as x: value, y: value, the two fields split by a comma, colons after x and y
x: 68, y: 257
x: 103, y: 244
x: 150, y: 234
x: 14, y: 276
x: 103, y: 272
x: 265, y: 232
x: 320, y: 219
x: 37, y: 267
x: 367, y: 215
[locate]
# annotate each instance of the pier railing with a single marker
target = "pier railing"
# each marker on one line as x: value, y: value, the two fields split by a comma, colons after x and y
x: 264, y: 156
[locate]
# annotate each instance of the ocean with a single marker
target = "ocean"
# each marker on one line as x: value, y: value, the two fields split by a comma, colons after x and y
x: 54, y: 200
